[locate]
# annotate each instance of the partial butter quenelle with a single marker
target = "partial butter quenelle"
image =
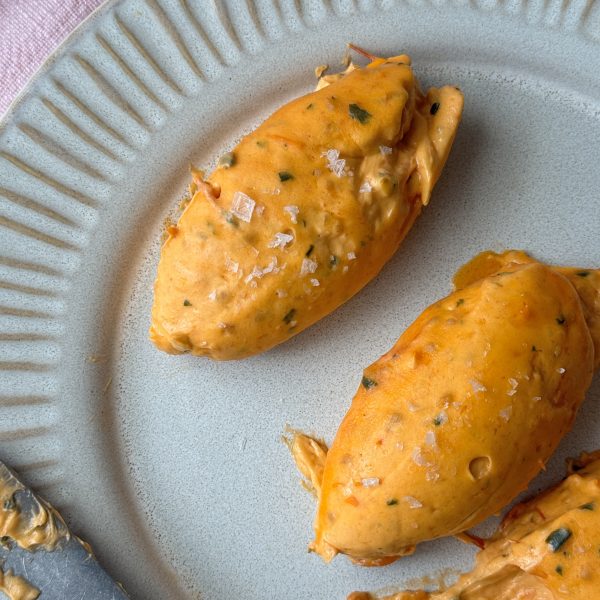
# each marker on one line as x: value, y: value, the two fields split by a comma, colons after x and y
x: 456, y: 419
x: 545, y: 549
x: 303, y: 212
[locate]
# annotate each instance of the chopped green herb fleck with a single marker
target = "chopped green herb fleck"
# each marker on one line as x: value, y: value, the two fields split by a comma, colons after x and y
x: 582, y: 273
x: 310, y: 250
x: 392, y: 502
x: 285, y: 176
x: 559, y: 569
x: 333, y: 260
x: 186, y: 302
x: 561, y: 320
x: 10, y: 504
x: 558, y: 537
x: 437, y: 421
x: 368, y: 383
x: 460, y: 301
x: 434, y: 108
x: 311, y: 105
x: 227, y: 160
x: 588, y: 506
x: 534, y: 349
x: 359, y: 114
x: 289, y: 316
x: 231, y: 219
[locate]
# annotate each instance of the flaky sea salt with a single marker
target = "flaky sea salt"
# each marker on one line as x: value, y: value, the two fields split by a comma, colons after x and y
x: 257, y: 272
x: 334, y: 163
x: 315, y: 282
x: 505, y: 413
x: 280, y: 240
x: 271, y: 267
x: 293, y: 211
x: 213, y: 295
x: 308, y: 266
x: 385, y: 150
x: 432, y: 475
x: 242, y: 206
x: 231, y: 265
x: 351, y: 256
x: 477, y: 385
x: 370, y: 481
x: 365, y: 188
x: 413, y: 502
x: 430, y: 438
x: 419, y: 459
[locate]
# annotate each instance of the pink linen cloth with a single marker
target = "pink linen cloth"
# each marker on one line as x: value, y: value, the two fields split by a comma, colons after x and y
x: 29, y: 31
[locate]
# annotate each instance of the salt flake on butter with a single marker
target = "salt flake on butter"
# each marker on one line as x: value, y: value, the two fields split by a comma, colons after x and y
x: 280, y: 240
x: 308, y: 266
x: 242, y: 206
x: 293, y: 211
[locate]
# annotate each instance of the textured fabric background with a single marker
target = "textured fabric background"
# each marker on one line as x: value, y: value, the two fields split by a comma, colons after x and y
x: 29, y: 31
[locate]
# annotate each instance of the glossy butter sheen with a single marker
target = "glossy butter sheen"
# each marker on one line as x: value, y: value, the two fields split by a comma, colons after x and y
x: 303, y: 213
x: 456, y: 419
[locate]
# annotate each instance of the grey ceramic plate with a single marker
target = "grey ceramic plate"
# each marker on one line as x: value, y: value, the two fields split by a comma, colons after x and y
x: 172, y: 467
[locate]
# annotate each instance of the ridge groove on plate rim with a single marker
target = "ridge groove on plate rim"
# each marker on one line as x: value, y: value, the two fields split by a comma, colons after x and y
x: 55, y: 148
x: 222, y: 12
x: 129, y: 72
x: 88, y: 112
x: 19, y: 434
x: 30, y: 204
x: 110, y: 91
x: 29, y: 400
x: 146, y: 56
x: 208, y: 43
x: 34, y: 234
x: 31, y: 171
x: 27, y: 266
x: 171, y: 30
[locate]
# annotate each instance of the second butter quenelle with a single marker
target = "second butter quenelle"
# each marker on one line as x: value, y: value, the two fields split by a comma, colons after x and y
x: 458, y: 417
x: 303, y: 213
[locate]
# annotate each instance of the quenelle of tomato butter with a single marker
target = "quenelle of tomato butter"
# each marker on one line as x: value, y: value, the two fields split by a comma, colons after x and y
x: 545, y: 549
x: 456, y: 419
x: 303, y: 212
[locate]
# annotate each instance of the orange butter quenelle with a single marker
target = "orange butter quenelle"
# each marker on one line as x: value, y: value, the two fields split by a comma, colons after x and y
x: 456, y: 419
x: 303, y: 212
